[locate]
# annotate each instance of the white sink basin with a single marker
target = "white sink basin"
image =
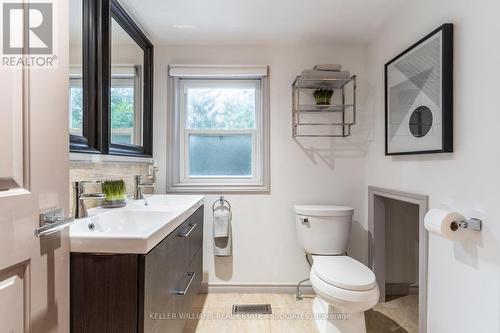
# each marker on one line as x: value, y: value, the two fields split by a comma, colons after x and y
x: 135, y: 228
x: 121, y: 223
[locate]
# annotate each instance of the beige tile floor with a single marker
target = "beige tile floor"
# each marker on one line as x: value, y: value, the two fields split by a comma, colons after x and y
x: 399, y: 315
x: 290, y: 316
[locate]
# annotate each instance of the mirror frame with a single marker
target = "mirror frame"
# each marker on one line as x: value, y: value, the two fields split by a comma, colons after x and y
x: 121, y: 17
x: 96, y: 81
x: 89, y: 141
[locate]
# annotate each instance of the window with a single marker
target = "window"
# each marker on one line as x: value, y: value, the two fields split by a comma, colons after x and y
x: 222, y: 134
x: 126, y: 115
x: 75, y: 106
x: 122, y: 113
x: 219, y: 132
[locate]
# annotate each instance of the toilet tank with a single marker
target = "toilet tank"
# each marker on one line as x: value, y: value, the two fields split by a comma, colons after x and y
x: 323, y: 229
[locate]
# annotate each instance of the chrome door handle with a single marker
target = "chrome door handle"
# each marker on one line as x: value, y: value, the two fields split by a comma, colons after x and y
x: 184, y: 291
x: 186, y: 234
x: 52, y: 221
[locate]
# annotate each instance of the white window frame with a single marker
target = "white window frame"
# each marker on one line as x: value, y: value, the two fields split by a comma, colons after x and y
x: 178, y: 178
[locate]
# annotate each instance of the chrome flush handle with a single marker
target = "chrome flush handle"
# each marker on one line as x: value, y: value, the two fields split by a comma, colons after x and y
x: 303, y: 219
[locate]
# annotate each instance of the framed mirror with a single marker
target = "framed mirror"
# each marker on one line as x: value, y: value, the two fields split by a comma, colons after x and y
x: 111, y: 81
x: 130, y: 92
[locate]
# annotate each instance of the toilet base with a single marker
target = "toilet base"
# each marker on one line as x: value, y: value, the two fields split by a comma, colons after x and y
x: 331, y: 320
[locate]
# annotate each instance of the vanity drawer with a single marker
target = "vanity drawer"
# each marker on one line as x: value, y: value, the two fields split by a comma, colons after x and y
x: 190, y: 236
x: 166, y: 269
x: 190, y: 284
x: 178, y: 308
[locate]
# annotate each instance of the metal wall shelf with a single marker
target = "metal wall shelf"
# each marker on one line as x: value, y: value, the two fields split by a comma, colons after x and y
x: 345, y: 113
x: 323, y: 83
x: 323, y: 108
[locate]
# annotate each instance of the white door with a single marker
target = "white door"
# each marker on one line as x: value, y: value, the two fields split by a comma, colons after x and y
x: 34, y: 272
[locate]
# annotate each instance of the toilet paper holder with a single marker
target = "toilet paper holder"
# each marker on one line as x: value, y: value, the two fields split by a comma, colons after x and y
x: 472, y: 224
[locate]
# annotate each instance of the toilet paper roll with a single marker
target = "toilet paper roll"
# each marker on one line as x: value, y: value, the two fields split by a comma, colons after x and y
x: 443, y: 223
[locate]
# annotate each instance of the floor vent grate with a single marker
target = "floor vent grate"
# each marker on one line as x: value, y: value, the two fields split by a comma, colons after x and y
x: 252, y: 309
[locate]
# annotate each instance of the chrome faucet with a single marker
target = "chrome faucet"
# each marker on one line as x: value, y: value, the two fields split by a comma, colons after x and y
x: 140, y: 184
x: 79, y: 206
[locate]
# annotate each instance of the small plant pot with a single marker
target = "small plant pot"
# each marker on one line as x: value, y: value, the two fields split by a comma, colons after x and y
x: 323, y: 101
x: 114, y: 203
x: 323, y: 96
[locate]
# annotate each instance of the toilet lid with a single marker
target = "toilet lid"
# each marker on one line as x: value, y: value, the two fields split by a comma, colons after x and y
x: 327, y: 211
x: 344, y: 272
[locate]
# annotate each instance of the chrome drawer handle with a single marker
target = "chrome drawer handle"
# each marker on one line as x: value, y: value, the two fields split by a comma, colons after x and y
x: 184, y: 291
x: 186, y: 234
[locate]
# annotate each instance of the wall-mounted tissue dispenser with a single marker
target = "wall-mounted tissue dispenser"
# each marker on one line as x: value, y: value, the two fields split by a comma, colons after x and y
x: 447, y: 224
x: 473, y: 224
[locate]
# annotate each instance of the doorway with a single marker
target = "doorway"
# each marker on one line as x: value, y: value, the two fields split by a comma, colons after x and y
x: 398, y: 244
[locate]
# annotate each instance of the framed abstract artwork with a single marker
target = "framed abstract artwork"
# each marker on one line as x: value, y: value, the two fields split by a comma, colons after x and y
x: 419, y: 96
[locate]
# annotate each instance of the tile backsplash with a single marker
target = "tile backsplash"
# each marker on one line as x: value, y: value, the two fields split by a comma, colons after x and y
x: 83, y: 170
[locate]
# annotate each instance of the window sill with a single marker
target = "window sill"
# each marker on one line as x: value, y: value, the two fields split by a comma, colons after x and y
x: 218, y: 188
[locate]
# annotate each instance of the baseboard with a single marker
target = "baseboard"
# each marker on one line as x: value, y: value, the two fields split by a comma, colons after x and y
x: 401, y: 289
x: 254, y: 288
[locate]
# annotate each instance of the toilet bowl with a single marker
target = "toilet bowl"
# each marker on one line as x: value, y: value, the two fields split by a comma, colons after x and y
x: 344, y: 287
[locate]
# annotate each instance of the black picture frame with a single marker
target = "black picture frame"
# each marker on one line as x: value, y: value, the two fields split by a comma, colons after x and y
x: 96, y: 81
x: 446, y: 91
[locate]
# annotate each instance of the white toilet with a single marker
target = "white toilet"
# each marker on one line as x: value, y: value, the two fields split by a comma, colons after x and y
x: 345, y: 288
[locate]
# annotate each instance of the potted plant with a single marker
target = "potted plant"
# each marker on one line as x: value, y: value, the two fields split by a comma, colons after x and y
x: 323, y: 96
x: 115, y: 193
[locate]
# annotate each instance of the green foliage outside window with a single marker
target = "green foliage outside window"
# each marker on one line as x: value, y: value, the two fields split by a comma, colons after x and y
x: 221, y: 108
x: 122, y: 107
x: 76, y: 108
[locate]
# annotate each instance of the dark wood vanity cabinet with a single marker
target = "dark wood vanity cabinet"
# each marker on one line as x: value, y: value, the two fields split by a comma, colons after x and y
x: 141, y: 293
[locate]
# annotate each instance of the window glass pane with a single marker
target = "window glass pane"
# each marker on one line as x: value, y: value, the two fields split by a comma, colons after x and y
x: 75, y: 110
x: 122, y: 115
x: 220, y: 108
x: 224, y: 155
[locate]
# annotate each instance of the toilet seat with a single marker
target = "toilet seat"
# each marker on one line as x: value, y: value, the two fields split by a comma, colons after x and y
x: 344, y: 272
x: 336, y: 295
x: 344, y: 283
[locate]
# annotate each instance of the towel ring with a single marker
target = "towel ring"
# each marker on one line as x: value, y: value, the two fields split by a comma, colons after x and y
x: 222, y: 203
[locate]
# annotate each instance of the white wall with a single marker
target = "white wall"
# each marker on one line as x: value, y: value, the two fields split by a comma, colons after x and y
x: 322, y: 171
x: 464, y: 279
